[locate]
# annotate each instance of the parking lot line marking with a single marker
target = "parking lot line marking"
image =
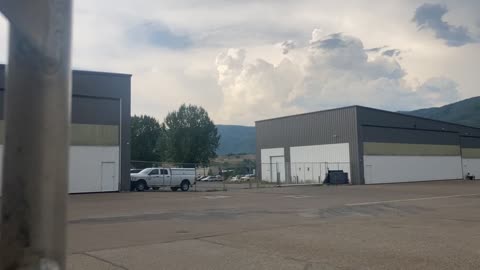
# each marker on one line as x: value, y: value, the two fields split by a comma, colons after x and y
x: 216, y: 197
x: 413, y: 199
x: 297, y: 196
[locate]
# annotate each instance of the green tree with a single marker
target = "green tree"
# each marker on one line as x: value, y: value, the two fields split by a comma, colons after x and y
x: 146, y: 139
x: 191, y: 135
x: 248, y: 164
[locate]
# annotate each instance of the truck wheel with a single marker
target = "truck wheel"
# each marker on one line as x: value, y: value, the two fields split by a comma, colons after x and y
x: 141, y: 186
x: 174, y: 188
x: 185, y: 185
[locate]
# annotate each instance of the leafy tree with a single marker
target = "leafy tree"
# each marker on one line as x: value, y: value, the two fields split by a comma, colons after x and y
x: 146, y: 138
x: 248, y: 163
x: 191, y: 135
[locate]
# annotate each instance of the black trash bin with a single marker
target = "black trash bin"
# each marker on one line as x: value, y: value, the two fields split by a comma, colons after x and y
x: 336, y: 177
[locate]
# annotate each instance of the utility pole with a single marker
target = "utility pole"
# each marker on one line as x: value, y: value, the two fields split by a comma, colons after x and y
x: 37, y: 134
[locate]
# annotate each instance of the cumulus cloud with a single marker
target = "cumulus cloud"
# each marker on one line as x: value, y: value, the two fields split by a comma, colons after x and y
x: 391, y: 52
x: 430, y: 16
x: 439, y: 90
x: 332, y: 71
x: 287, y: 46
x: 254, y: 90
x: 169, y: 47
x: 376, y: 49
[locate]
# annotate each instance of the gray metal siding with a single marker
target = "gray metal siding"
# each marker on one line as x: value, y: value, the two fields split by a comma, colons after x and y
x: 100, y: 111
x: 374, y: 117
x: 356, y: 125
x: 101, y: 84
x: 310, y: 129
x: 414, y: 136
x: 2, y: 78
x: 360, y: 140
x: 88, y: 110
x: 381, y: 126
x: 470, y: 142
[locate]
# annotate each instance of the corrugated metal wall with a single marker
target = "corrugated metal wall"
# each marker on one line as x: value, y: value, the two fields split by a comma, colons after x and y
x: 356, y: 125
x: 325, y: 127
x: 380, y: 118
x: 470, y: 141
x: 101, y: 101
x: 386, y: 127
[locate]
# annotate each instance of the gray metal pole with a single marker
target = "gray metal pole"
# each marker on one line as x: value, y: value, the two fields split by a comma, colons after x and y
x: 37, y: 114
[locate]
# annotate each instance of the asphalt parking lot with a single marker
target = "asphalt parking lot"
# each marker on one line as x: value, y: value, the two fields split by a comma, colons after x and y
x: 434, y: 225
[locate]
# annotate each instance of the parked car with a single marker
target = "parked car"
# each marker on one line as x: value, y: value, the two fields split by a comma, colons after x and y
x: 175, y: 178
x: 135, y: 170
x: 209, y: 178
x: 248, y: 177
x: 218, y: 178
x: 236, y: 178
x: 202, y: 178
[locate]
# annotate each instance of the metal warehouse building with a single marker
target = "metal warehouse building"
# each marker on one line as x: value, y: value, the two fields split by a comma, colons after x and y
x: 373, y: 146
x: 100, y: 149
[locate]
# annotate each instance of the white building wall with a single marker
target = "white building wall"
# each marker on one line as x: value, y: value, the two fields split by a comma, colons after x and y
x: 472, y: 166
x: 393, y: 169
x: 266, y: 155
x: 277, y: 166
x: 85, y: 172
x: 309, y: 164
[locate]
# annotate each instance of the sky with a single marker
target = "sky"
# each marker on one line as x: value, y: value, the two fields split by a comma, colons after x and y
x: 250, y: 60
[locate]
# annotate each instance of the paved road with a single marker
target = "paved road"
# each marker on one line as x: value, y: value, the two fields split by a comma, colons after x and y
x: 400, y: 226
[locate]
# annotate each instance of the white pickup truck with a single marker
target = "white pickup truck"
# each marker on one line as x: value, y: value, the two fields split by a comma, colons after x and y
x: 175, y: 178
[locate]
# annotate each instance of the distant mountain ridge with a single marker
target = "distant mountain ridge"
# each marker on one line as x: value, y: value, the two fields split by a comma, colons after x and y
x: 465, y: 112
x: 241, y: 139
x: 236, y: 139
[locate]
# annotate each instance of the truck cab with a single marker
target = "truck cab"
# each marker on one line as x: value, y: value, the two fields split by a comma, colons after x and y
x: 155, y: 178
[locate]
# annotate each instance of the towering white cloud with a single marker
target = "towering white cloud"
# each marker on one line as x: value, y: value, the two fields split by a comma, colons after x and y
x: 254, y: 90
x: 332, y: 71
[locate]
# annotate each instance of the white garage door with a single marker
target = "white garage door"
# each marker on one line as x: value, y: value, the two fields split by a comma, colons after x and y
x: 272, y: 160
x: 395, y: 169
x: 93, y: 169
x: 395, y: 162
x: 309, y: 164
x: 472, y: 166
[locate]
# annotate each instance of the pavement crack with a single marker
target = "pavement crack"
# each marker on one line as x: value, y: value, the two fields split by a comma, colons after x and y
x: 200, y: 237
x: 103, y: 260
x: 308, y: 264
x: 215, y: 242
